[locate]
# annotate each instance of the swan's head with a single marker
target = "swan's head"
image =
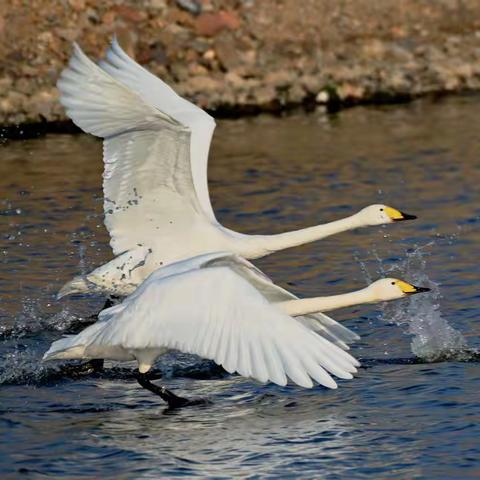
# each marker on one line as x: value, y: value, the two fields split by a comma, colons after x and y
x: 380, y: 214
x: 392, y: 288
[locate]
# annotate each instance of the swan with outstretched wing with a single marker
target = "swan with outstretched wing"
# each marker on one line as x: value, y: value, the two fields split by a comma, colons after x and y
x: 239, y: 319
x: 156, y: 202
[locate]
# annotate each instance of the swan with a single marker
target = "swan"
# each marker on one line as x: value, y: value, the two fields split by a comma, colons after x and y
x: 233, y: 321
x: 156, y: 202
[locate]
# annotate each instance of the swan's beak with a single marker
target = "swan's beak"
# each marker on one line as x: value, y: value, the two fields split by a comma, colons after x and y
x: 397, y: 215
x: 420, y: 289
x: 410, y: 289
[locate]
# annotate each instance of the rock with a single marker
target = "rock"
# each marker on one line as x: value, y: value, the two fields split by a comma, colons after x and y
x: 157, y: 4
x: 192, y: 6
x: 397, y: 81
x: 374, y: 49
x: 280, y: 79
x: 311, y: 83
x: 209, y: 54
x: 399, y: 54
x: 108, y: 17
x: 203, y: 84
x: 181, y: 17
x: 264, y: 95
x: 68, y: 34
x: 323, y: 97
x: 296, y: 94
x: 13, y: 102
x: 23, y: 85
x: 77, y: 5
x: 235, y: 80
x: 130, y: 14
x: 210, y: 24
x: 349, y: 91
x: 229, y: 56
x: 42, y: 103
x: 5, y: 84
x: 197, y: 69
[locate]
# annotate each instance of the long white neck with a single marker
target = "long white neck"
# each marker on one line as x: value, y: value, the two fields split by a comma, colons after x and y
x: 306, y: 306
x: 265, y: 244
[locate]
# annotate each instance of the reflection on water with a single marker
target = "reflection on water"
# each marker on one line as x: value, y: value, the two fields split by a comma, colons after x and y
x: 397, y: 419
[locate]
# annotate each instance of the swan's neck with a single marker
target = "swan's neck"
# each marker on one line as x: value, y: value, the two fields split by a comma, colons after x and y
x: 271, y: 243
x: 324, y: 304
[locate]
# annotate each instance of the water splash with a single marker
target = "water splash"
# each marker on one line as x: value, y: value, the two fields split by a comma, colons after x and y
x: 33, y: 319
x: 433, y: 338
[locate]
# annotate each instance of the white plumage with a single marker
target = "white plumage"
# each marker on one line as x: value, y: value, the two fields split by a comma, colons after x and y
x: 156, y: 202
x: 219, y: 306
x: 230, y: 321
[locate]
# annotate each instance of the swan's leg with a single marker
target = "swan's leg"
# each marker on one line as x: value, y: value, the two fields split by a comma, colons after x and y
x: 87, y: 368
x: 173, y: 401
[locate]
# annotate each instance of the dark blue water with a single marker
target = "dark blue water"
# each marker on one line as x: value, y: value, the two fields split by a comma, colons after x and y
x: 413, y: 411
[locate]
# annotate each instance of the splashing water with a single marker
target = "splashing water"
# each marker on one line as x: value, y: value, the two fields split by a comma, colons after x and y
x: 433, y: 338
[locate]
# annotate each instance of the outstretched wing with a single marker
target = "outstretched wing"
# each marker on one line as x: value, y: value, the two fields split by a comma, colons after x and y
x: 157, y: 93
x: 230, y: 323
x: 148, y: 182
x: 320, y: 323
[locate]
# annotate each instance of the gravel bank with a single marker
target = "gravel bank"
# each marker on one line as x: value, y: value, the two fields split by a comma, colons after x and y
x: 242, y: 56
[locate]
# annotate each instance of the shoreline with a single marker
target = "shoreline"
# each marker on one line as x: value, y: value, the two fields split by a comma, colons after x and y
x: 236, y: 58
x: 31, y: 130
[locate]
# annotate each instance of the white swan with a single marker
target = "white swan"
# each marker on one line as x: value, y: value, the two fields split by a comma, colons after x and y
x: 156, y: 202
x: 231, y: 321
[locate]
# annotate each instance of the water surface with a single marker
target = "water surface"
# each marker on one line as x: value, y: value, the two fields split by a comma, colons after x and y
x: 399, y: 418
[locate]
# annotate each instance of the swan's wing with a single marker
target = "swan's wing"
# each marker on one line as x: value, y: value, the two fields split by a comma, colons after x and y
x: 148, y: 184
x: 157, y: 93
x: 229, y: 322
x: 319, y: 322
x: 175, y: 268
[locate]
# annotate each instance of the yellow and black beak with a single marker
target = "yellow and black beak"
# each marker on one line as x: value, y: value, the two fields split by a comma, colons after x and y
x: 397, y: 215
x: 410, y: 289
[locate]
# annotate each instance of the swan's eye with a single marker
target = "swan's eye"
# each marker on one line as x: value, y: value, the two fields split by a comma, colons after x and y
x: 393, y: 283
x: 381, y: 209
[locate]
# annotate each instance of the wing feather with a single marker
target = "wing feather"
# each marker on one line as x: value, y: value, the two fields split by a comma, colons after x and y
x: 157, y: 93
x: 246, y: 334
x: 319, y: 322
x: 148, y: 182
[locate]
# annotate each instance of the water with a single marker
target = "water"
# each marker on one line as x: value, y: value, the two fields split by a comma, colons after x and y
x: 401, y: 417
x: 433, y: 338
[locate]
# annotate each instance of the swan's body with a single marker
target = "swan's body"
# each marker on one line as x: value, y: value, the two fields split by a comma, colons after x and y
x: 157, y: 207
x: 233, y: 321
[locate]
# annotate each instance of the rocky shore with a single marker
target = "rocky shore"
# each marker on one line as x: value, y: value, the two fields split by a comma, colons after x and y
x: 242, y: 56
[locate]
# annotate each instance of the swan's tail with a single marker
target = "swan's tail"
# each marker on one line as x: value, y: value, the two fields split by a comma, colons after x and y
x: 65, y: 348
x: 79, y: 284
x: 74, y: 347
